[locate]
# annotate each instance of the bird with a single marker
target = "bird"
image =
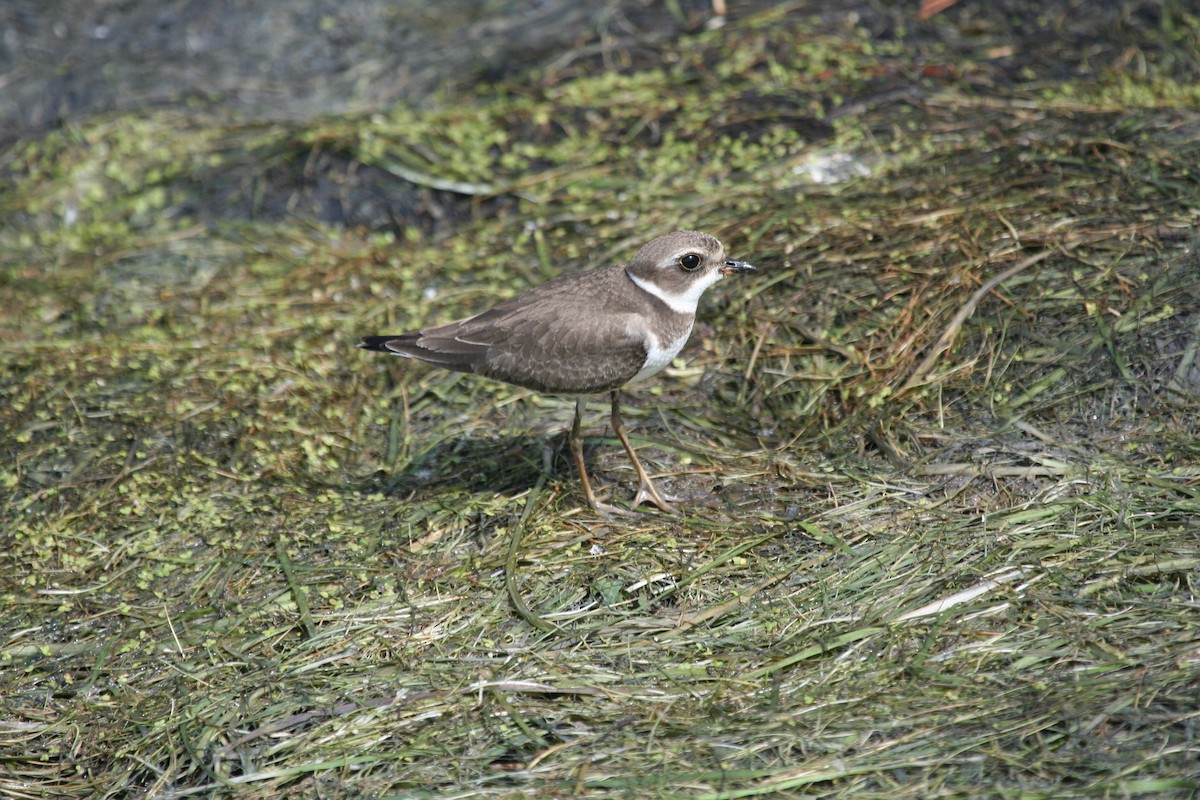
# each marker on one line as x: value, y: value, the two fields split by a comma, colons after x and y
x: 584, y: 334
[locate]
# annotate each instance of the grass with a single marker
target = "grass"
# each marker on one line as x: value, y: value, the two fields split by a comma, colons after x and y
x: 938, y: 458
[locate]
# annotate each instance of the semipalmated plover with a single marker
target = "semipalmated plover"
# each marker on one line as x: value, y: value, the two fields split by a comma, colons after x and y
x: 584, y: 334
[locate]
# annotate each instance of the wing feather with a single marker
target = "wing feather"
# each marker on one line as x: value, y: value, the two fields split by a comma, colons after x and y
x: 530, y: 342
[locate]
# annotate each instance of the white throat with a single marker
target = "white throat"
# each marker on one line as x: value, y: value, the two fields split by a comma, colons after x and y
x: 680, y: 302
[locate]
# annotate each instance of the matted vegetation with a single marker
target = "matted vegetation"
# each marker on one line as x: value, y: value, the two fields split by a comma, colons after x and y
x: 939, y: 457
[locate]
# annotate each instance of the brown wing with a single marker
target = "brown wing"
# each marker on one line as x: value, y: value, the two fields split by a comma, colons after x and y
x: 529, y: 340
x: 560, y: 354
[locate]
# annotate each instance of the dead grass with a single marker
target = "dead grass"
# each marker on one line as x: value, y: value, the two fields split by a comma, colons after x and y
x: 940, y: 457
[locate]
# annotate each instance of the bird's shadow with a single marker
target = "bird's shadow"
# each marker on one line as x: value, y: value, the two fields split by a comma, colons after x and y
x: 506, y: 465
x: 498, y: 464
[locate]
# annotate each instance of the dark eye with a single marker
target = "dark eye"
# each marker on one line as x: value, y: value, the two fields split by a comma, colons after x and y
x: 690, y: 262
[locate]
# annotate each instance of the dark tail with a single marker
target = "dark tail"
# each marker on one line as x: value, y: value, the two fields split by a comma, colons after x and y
x: 444, y: 351
x: 380, y: 343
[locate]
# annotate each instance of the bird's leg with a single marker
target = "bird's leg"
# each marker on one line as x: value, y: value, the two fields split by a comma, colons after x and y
x: 646, y: 490
x: 575, y: 441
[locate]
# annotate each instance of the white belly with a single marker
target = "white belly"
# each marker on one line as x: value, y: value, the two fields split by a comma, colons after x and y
x: 659, y: 354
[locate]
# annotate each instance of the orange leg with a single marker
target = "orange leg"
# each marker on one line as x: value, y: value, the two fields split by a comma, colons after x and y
x: 646, y: 490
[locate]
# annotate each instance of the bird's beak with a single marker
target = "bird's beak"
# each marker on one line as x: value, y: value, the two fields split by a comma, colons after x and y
x: 732, y: 266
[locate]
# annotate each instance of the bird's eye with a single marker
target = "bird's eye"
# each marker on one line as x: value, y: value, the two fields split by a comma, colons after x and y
x: 690, y: 262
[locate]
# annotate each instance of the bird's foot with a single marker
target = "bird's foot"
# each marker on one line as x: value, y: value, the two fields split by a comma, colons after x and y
x: 613, y: 512
x: 646, y: 491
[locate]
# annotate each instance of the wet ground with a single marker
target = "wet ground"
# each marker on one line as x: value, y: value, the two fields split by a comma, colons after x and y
x: 262, y: 60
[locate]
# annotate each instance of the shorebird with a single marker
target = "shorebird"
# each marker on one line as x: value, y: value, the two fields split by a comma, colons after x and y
x: 583, y: 334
